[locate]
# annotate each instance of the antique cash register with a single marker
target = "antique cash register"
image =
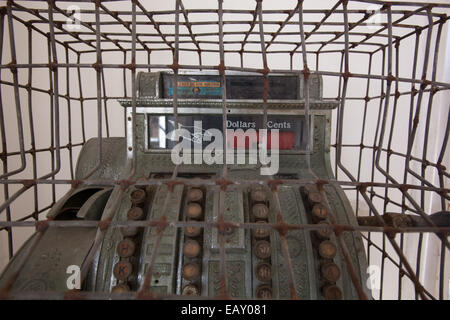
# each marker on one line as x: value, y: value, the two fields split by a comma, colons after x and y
x: 188, y: 257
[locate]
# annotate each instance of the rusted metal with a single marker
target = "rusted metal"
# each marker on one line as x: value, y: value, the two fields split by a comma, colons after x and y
x: 195, y: 195
x: 386, y: 40
x: 190, y: 290
x: 260, y: 211
x: 264, y: 292
x: 332, y: 292
x: 135, y: 213
x: 126, y: 248
x: 319, y: 211
x: 327, y: 249
x: 192, y: 231
x: 330, y: 271
x: 191, y: 249
x: 122, y: 270
x: 262, y: 249
x: 190, y: 271
x: 263, y: 271
x: 261, y: 233
x: 137, y: 196
x: 258, y: 196
x: 194, y: 211
x: 120, y: 288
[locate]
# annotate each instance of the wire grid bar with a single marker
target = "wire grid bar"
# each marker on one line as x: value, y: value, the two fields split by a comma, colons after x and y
x: 431, y: 86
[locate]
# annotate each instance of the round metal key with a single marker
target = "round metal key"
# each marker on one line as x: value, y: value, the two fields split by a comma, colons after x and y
x: 122, y: 270
x: 258, y: 196
x: 314, y: 197
x: 264, y: 291
x: 264, y: 271
x: 330, y: 271
x: 190, y: 271
x: 260, y: 211
x: 332, y: 292
x: 263, y: 249
x: 319, y: 211
x: 261, y: 233
x: 327, y: 249
x: 137, y: 196
x: 311, y: 188
x: 129, y: 231
x: 195, y: 195
x: 120, y: 288
x: 135, y: 213
x: 190, y: 290
x: 191, y: 249
x: 194, y: 211
x: 192, y: 231
x: 125, y: 248
x: 324, y: 233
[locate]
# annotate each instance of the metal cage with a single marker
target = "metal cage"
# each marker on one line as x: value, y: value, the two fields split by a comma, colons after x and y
x: 381, y: 61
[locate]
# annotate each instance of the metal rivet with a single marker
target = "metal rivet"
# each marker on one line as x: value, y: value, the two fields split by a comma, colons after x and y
x: 195, y: 195
x: 330, y: 271
x: 258, y: 196
x: 327, y: 249
x: 190, y: 271
x: 264, y: 292
x: 135, y: 213
x: 192, y: 231
x: 194, y: 211
x: 125, y: 248
x: 122, y: 270
x: 319, y: 211
x: 324, y: 233
x: 190, y: 290
x: 262, y: 249
x: 120, y: 288
x: 137, y: 196
x: 191, y: 249
x: 264, y: 271
x: 261, y: 233
x: 260, y: 211
x: 332, y: 292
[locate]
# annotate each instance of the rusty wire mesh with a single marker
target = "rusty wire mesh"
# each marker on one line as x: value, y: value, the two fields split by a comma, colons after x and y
x: 43, y: 167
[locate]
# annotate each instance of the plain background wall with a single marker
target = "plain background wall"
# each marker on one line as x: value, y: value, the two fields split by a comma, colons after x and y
x: 353, y: 116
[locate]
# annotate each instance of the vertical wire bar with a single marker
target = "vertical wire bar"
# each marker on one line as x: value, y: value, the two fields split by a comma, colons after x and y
x: 105, y: 101
x: 4, y: 157
x: 336, y: 172
x: 16, y: 94
x: 69, y: 115
x: 145, y: 287
x: 405, y: 176
x: 363, y: 134
x: 98, y: 68
x: 222, y: 263
x: 80, y: 88
x: 306, y: 74
x: 31, y: 122
x: 423, y: 85
x: 425, y: 150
